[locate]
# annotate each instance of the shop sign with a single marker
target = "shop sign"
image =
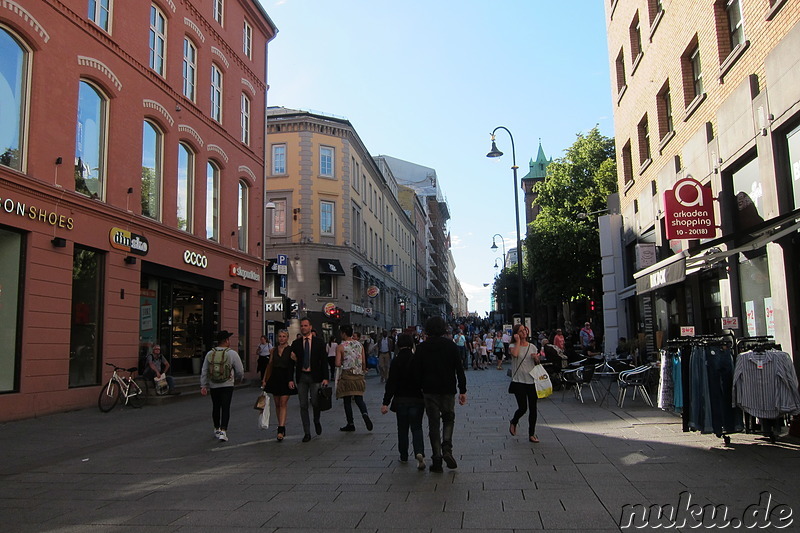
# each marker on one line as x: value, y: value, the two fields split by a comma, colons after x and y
x: 367, y: 311
x: 273, y: 306
x: 769, y: 314
x: 687, y: 331
x: 236, y: 270
x: 195, y: 259
x: 373, y: 291
x: 356, y: 309
x: 328, y: 308
x: 128, y: 242
x: 730, y: 322
x: 32, y: 212
x: 689, y: 211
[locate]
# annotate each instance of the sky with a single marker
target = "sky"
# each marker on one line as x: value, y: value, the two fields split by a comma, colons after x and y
x: 428, y: 81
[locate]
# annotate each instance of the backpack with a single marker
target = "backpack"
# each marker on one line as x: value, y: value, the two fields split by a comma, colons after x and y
x: 219, y: 366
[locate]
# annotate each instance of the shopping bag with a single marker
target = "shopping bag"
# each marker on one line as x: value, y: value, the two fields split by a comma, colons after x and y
x: 324, y: 401
x: 372, y: 361
x: 544, y: 387
x: 261, y: 401
x: 263, y: 418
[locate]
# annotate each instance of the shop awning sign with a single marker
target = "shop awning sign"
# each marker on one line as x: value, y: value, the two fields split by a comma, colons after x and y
x: 689, y: 211
x: 670, y: 274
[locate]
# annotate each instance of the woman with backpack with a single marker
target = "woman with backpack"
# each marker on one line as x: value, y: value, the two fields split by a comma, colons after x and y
x: 279, y: 379
x: 222, y: 367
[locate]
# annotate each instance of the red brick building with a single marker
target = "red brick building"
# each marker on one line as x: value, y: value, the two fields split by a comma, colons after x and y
x: 131, y: 188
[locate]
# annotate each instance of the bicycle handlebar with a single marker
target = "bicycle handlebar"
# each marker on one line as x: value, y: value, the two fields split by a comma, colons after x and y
x: 129, y: 370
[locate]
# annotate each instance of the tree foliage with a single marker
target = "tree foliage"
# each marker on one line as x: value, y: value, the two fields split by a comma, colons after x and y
x: 563, y: 249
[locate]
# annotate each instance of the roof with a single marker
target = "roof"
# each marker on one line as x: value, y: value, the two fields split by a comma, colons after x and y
x: 538, y: 168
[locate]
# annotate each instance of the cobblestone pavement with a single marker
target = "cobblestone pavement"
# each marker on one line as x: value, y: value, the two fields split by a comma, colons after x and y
x: 160, y: 469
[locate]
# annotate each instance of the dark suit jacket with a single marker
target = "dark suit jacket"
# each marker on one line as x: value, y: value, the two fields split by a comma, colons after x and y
x: 319, y: 359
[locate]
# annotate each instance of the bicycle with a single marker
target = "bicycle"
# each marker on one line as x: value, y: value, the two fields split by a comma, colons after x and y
x: 118, y: 386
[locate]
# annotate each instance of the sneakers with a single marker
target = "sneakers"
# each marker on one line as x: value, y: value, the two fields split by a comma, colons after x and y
x: 449, y: 460
x: 216, y: 433
x: 223, y: 436
x: 420, y: 461
x: 348, y: 427
x: 368, y: 422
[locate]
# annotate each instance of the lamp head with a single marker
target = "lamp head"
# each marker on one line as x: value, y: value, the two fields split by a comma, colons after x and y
x: 270, y: 205
x: 494, y: 245
x: 494, y: 152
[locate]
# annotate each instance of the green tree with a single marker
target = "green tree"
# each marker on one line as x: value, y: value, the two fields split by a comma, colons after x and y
x: 563, y: 249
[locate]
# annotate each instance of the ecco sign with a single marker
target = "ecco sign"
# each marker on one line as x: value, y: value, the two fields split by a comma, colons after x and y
x: 195, y: 259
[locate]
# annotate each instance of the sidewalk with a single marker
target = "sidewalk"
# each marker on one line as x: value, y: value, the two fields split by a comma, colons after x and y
x: 159, y: 469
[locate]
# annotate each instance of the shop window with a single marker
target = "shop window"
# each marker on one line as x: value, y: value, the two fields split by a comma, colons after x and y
x: 245, y: 119
x: 242, y: 216
x: 87, y: 315
x: 185, y: 187
x: 756, y: 296
x: 100, y: 13
x: 793, y: 148
x: 748, y: 193
x: 189, y: 69
x: 151, y: 170
x: 326, y: 285
x: 13, y: 94
x: 158, y: 39
x: 216, y: 93
x: 279, y: 217
x: 278, y: 159
x: 90, y: 141
x: 212, y: 201
x: 11, y: 250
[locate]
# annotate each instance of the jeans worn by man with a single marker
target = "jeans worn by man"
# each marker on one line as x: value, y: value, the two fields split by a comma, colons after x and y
x: 440, y: 370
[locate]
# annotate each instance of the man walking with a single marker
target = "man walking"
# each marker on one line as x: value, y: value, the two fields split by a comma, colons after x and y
x: 311, y: 372
x: 221, y: 368
x: 385, y: 349
x: 438, y: 367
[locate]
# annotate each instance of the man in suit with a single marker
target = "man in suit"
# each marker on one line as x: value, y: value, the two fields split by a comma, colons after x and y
x: 311, y: 372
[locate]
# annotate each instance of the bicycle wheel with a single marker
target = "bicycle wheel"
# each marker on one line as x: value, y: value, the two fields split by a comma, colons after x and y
x: 135, y: 396
x: 109, y: 395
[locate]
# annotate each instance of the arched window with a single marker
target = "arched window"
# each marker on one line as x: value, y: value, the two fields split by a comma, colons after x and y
x: 242, y: 216
x: 212, y: 201
x: 185, y: 187
x: 13, y: 72
x: 90, y: 141
x: 151, y: 170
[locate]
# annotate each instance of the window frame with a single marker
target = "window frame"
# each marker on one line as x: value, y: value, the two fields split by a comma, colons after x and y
x: 247, y: 39
x: 327, y: 286
x: 189, y: 69
x: 276, y: 158
x: 279, y: 216
x: 158, y: 177
x: 96, y: 332
x: 619, y: 67
x: 327, y: 220
x: 213, y: 179
x: 217, y: 94
x: 635, y: 34
x: 218, y: 8
x: 189, y: 188
x: 645, y: 150
x: 7, y: 157
x: 95, y: 15
x: 245, y: 119
x: 102, y: 141
x: 331, y: 162
x: 242, y: 215
x: 157, y: 36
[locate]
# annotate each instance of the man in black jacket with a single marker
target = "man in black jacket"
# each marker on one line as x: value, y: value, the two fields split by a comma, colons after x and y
x: 438, y: 368
x: 311, y: 372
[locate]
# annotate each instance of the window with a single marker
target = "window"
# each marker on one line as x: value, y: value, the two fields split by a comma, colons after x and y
x: 158, y: 39
x: 655, y: 9
x: 733, y: 9
x: 242, y: 216
x: 644, y: 141
x: 279, y: 217
x: 212, y: 201
x: 664, y: 106
x: 247, y: 40
x: 151, y: 170
x: 13, y: 72
x: 748, y: 193
x: 86, y: 330
x: 636, y: 40
x: 11, y: 252
x: 793, y: 149
x: 99, y: 12
x: 216, y: 93
x: 278, y: 159
x: 326, y: 284
x: 219, y: 9
x: 326, y: 218
x: 90, y: 141
x: 627, y: 163
x: 697, y: 72
x: 245, y: 119
x: 185, y: 187
x: 189, y: 68
x: 692, y: 76
x: 326, y: 161
x: 620, y: 69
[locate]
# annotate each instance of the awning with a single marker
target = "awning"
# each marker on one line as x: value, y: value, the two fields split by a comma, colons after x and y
x: 664, y: 273
x: 331, y: 267
x: 272, y: 266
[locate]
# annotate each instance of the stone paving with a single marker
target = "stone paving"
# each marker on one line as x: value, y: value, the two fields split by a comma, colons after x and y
x: 159, y: 469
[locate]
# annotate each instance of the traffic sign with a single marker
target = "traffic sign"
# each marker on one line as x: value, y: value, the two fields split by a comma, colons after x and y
x: 283, y: 264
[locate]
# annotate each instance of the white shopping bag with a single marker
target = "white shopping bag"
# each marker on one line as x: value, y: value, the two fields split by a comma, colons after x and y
x: 544, y: 387
x: 263, y: 416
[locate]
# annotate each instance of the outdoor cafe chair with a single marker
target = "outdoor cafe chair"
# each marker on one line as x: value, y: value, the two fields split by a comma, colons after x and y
x: 578, y: 377
x: 637, y: 379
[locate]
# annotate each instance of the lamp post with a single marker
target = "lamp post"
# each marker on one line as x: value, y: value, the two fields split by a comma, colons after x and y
x: 494, y: 247
x: 494, y: 152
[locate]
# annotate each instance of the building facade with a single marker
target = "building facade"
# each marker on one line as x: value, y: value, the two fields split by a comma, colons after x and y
x: 131, y: 200
x: 707, y: 117
x: 337, y: 219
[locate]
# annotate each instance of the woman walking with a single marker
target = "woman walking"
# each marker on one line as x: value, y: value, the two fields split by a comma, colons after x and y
x: 405, y: 397
x: 279, y: 379
x: 351, y: 385
x: 524, y: 357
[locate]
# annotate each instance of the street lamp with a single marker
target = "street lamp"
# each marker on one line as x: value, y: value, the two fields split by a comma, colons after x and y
x: 584, y: 216
x: 494, y: 247
x: 494, y: 152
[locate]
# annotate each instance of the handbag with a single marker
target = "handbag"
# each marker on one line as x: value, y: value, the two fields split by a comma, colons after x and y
x: 261, y: 401
x: 263, y: 418
x: 324, y: 398
x: 544, y: 387
x: 372, y: 361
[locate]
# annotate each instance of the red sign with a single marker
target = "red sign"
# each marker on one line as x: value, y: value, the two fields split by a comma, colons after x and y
x: 689, y: 211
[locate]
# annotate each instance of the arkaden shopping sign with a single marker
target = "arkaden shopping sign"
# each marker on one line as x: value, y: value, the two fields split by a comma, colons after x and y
x: 689, y: 211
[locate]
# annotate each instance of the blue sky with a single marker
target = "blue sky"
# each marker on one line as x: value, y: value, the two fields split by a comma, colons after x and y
x: 427, y: 82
